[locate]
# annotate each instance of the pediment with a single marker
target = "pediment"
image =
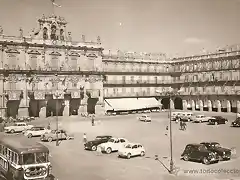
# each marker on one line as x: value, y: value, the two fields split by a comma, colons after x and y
x: 74, y: 54
x: 92, y: 55
x: 34, y: 52
x: 54, y: 53
x: 12, y: 51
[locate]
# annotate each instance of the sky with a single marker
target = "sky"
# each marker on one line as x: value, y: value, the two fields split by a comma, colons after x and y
x: 174, y: 27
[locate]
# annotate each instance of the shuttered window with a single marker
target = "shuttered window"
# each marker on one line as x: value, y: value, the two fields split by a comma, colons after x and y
x: 33, y: 62
x: 54, y: 62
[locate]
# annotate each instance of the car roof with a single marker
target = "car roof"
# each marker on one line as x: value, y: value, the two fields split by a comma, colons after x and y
x: 38, y: 127
x: 20, y: 123
x: 209, y: 142
x: 194, y: 144
x: 132, y: 144
x: 104, y: 136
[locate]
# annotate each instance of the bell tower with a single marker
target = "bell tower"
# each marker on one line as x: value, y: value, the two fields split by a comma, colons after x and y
x: 51, y: 28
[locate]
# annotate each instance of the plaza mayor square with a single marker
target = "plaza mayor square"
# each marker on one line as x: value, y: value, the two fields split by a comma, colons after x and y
x: 119, y: 89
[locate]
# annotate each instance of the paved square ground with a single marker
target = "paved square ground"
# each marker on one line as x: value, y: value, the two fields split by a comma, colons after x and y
x: 71, y: 161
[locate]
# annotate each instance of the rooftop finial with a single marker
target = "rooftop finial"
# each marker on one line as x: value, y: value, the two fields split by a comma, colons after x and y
x: 1, y: 30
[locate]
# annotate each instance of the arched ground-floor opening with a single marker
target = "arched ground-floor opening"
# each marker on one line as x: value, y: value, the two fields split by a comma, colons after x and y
x: 34, y: 108
x: 91, y: 105
x: 12, y: 108
x: 178, y: 103
x: 74, y: 105
x: 55, y: 107
x: 224, y: 106
x: 165, y: 103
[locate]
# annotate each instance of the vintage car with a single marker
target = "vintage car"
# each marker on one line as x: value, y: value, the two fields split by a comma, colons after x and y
x: 92, y: 145
x: 215, y: 120
x: 200, y: 118
x: 236, y: 123
x: 223, y: 153
x: 131, y: 150
x: 36, y: 131
x: 199, y: 152
x: 17, y: 127
x: 113, y: 144
x: 54, y: 135
x: 145, y: 118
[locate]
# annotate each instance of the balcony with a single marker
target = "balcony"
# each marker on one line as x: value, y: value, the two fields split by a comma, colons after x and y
x: 112, y: 83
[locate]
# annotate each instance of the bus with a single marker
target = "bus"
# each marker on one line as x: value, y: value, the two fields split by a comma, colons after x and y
x: 23, y: 159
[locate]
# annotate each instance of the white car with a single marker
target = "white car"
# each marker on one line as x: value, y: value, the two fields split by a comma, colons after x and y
x: 131, y: 150
x: 17, y: 127
x: 200, y: 118
x: 145, y: 118
x: 36, y: 131
x: 113, y: 144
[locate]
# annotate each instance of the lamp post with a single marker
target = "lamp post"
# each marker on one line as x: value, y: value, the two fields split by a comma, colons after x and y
x: 171, y: 93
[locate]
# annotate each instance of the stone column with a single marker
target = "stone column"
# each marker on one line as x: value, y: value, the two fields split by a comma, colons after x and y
x: 238, y: 106
x: 66, y: 108
x: 193, y: 105
x: 201, y: 105
x: 83, y: 106
x: 219, y: 106
x: 229, y: 106
x: 184, y: 104
x: 209, y: 106
x: 172, y: 106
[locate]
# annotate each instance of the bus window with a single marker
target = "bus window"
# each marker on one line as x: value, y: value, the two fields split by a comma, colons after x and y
x: 1, y: 149
x: 41, y: 157
x: 15, y: 159
x: 28, y: 158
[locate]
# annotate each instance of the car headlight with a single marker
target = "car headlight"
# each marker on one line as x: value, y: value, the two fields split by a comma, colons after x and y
x: 224, y: 152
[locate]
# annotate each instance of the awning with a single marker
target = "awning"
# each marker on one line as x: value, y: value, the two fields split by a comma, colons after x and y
x: 125, y: 104
x: 149, y: 102
x: 107, y: 106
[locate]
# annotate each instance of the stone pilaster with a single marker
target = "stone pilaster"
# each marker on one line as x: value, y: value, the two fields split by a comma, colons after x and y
x: 229, y: 106
x: 42, y: 113
x: 193, y: 106
x: 66, y: 108
x: 99, y: 109
x: 209, y: 106
x: 201, y: 105
x: 23, y: 111
x: 219, y: 106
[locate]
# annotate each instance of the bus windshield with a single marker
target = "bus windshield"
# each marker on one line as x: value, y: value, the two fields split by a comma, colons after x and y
x: 35, y: 158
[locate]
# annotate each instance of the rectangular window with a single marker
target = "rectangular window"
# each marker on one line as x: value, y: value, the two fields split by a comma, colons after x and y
x: 73, y: 63
x: 156, y: 80
x: 54, y: 85
x: 33, y: 62
x: 74, y: 85
x: 54, y: 62
x: 124, y: 79
x: 132, y: 79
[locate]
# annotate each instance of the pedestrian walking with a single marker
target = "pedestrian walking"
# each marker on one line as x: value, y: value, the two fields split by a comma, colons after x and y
x: 93, y: 120
x: 84, y: 138
x: 49, y: 126
x: 166, y: 131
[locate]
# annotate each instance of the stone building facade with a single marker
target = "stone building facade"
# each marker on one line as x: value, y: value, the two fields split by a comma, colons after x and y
x: 48, y: 73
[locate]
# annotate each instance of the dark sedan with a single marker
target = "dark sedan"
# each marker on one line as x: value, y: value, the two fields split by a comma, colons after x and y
x: 199, y: 152
x: 236, y: 123
x: 215, y: 120
x: 92, y: 145
x: 223, y: 153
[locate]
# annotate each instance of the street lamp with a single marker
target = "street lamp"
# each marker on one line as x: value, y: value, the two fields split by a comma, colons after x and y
x: 171, y: 93
x: 236, y: 92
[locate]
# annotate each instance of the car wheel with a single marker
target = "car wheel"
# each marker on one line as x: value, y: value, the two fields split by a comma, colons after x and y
x: 94, y: 148
x: 220, y: 158
x: 142, y: 153
x: 128, y: 155
x: 50, y: 139
x: 200, y: 121
x: 29, y: 135
x: 186, y: 157
x: 216, y: 123
x: 205, y: 161
x: 189, y: 120
x: 12, y: 131
x: 108, y: 150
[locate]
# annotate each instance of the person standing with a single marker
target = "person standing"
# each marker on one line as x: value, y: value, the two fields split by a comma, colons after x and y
x: 93, y: 120
x: 49, y: 126
x: 84, y: 138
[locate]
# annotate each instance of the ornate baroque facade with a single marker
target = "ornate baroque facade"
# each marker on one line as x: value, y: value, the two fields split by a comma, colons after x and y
x: 48, y: 73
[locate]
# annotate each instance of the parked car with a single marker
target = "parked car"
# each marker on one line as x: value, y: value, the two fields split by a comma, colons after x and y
x: 217, y: 120
x: 223, y: 153
x: 145, y: 118
x: 114, y: 144
x: 92, y: 145
x: 54, y: 134
x: 199, y: 152
x: 17, y: 127
x: 236, y: 123
x: 36, y: 131
x: 131, y: 150
x: 200, y: 118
